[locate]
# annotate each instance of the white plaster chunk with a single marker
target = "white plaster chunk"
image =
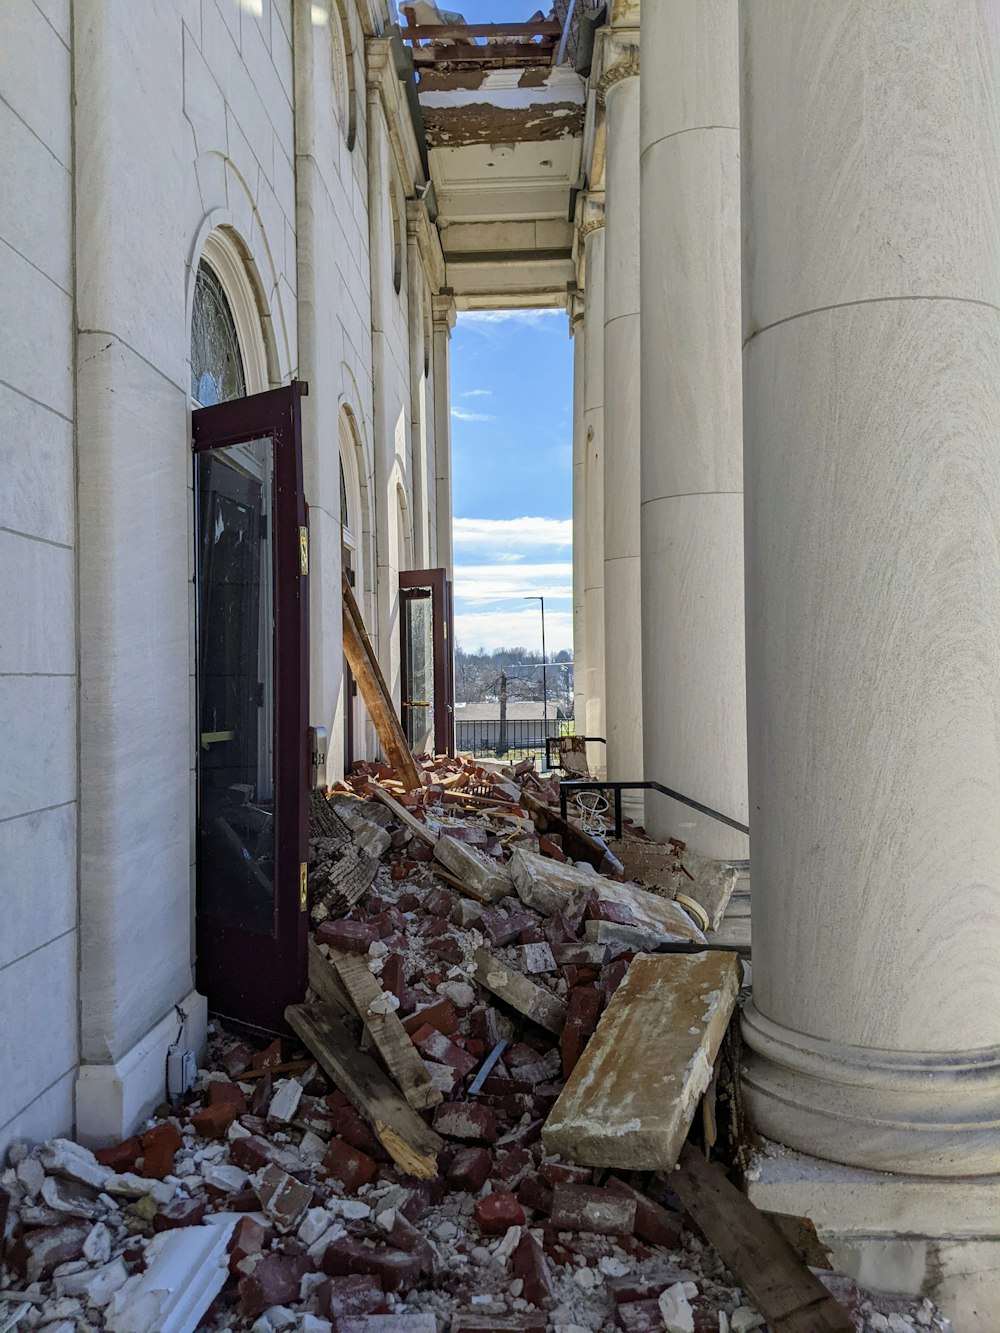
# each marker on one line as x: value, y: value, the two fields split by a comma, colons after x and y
x: 62, y: 1157
x: 185, y: 1270
x: 285, y: 1102
x: 675, y: 1310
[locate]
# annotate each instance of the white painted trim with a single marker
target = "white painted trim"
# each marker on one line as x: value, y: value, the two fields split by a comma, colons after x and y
x: 111, y: 1100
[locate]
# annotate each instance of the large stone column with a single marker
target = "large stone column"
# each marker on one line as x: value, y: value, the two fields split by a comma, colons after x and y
x: 592, y: 235
x: 619, y: 88
x: 443, y: 311
x: 577, y: 332
x: 871, y: 257
x: 693, y: 659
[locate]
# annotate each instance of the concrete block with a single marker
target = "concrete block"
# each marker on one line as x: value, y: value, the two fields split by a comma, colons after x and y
x: 631, y: 1098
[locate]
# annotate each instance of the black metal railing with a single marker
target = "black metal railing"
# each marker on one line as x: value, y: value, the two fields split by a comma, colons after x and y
x: 571, y: 785
x: 521, y: 738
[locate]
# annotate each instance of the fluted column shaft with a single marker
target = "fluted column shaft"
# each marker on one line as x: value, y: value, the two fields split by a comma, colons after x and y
x: 871, y: 280
x: 622, y: 623
x: 578, y: 333
x: 592, y: 231
x: 693, y: 660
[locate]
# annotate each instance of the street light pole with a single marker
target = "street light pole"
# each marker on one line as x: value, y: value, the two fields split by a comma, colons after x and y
x: 545, y: 679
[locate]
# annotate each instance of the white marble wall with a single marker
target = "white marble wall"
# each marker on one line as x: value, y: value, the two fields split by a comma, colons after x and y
x: 38, y: 638
x: 193, y: 119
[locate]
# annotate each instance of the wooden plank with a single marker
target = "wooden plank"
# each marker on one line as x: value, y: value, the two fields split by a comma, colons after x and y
x: 514, y: 988
x: 411, y: 1144
x: 630, y: 1100
x: 378, y: 699
x: 512, y: 54
x: 387, y: 1032
x: 325, y: 982
x: 787, y: 1294
x: 405, y: 816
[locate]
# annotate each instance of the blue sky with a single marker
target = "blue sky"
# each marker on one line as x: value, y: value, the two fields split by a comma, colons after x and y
x: 512, y: 477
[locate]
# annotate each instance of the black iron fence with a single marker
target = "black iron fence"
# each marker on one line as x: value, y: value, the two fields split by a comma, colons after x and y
x: 514, y: 739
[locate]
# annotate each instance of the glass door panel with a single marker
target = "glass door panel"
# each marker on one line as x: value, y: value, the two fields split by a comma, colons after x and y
x: 252, y: 728
x: 427, y: 687
x: 417, y: 689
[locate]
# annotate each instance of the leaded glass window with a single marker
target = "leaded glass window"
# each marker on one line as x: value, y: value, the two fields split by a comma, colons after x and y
x: 216, y: 364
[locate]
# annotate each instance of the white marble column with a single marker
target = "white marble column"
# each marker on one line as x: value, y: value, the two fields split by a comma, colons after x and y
x: 443, y: 310
x: 693, y: 659
x: 577, y: 325
x: 592, y: 235
x: 619, y: 87
x: 871, y: 280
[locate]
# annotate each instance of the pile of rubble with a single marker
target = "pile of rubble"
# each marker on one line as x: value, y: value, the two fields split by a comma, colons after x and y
x: 471, y: 1132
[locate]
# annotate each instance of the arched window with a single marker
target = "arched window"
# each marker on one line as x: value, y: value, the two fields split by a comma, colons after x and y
x: 217, y: 373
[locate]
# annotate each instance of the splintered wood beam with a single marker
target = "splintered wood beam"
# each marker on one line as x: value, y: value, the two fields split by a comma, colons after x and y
x: 324, y: 980
x: 390, y: 1037
x: 787, y: 1294
x: 378, y: 700
x: 404, y: 816
x: 411, y: 1144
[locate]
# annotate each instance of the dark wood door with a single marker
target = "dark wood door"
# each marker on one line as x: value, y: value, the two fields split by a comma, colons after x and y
x: 251, y: 585
x: 427, y: 682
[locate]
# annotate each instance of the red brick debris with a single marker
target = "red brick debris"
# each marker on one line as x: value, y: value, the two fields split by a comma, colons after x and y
x: 327, y: 1231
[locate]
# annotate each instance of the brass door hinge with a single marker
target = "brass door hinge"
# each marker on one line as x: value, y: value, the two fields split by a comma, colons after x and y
x: 303, y: 550
x: 303, y: 886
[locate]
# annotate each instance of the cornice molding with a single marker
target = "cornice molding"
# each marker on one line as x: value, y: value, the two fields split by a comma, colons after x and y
x: 624, y: 66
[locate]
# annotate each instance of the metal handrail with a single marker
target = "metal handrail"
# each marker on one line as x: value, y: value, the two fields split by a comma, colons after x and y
x: 568, y: 785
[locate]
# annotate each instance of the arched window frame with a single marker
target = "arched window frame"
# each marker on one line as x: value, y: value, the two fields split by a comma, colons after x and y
x: 224, y: 256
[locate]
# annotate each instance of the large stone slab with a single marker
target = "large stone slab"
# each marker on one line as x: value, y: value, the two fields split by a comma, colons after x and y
x: 483, y: 878
x: 631, y: 1098
x: 545, y: 884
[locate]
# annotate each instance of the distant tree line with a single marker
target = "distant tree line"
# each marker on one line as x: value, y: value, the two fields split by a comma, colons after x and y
x: 477, y: 675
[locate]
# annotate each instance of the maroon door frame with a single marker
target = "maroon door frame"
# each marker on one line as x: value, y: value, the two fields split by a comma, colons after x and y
x: 253, y: 977
x: 444, y: 655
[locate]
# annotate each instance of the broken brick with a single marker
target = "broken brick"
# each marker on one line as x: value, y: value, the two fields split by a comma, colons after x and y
x: 346, y: 1164
x: 582, y: 1014
x: 441, y: 1015
x: 470, y: 1169
x: 211, y: 1122
x: 396, y: 1269
x: 496, y: 1212
x: 159, y: 1145
x: 179, y: 1212
x: 612, y: 976
x: 653, y: 1223
x: 565, y: 1173
x: 535, y: 1194
x: 475, y: 1322
x: 549, y: 844
x: 351, y: 936
x: 224, y: 1093
x: 356, y: 1293
x: 531, y: 1266
x: 237, y: 1060
x: 469, y: 1121
x: 37, y: 1253
x: 122, y: 1158
x: 589, y: 1208
x: 275, y: 1280
x: 249, y: 1237
x: 283, y: 1198
x: 510, y: 1168
x: 640, y: 1317
x: 436, y: 1046
x: 270, y: 1056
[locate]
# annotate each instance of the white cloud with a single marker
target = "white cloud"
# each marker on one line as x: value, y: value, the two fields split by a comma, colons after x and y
x: 503, y: 582
x: 461, y: 415
x: 536, y: 319
x: 507, y: 629
x: 508, y: 538
x: 477, y: 393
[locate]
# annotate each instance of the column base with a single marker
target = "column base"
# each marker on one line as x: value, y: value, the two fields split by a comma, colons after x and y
x: 916, y: 1235
x: 112, y: 1099
x: 916, y: 1112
